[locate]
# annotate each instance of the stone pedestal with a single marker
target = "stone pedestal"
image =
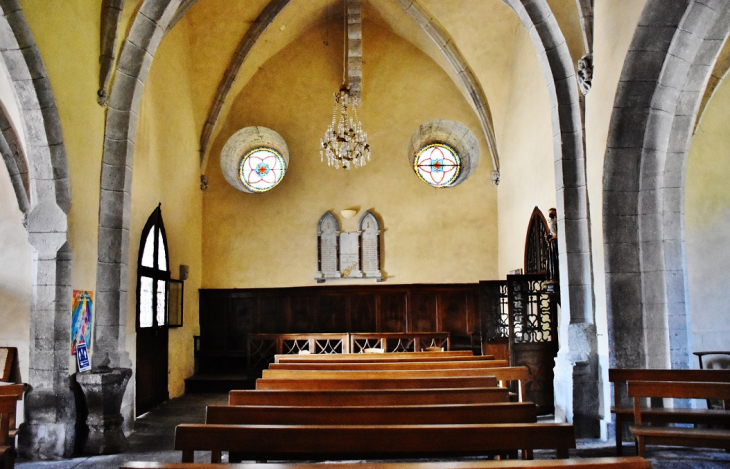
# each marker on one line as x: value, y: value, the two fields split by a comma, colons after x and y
x: 103, y: 391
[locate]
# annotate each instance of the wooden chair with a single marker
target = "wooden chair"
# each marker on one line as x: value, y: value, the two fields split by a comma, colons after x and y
x: 11, y: 394
x: 679, y: 436
x: 624, y: 412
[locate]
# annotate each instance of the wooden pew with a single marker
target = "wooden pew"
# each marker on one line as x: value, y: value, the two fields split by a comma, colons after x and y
x: 624, y: 411
x: 377, y: 358
x: 417, y: 365
x: 363, y: 397
x: 384, y: 383
x: 679, y: 436
x: 297, y: 442
x: 12, y: 393
x: 520, y: 374
x: 392, y: 355
x: 503, y: 412
x: 7, y: 444
x: 590, y: 463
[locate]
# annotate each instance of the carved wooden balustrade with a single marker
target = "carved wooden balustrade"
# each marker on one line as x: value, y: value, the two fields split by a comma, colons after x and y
x: 261, y: 348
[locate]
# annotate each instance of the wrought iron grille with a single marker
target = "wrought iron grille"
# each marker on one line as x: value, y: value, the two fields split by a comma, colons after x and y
x: 531, y: 312
x: 503, y: 319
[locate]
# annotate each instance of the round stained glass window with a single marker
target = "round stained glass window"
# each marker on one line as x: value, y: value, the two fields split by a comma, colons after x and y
x: 437, y: 164
x: 261, y: 169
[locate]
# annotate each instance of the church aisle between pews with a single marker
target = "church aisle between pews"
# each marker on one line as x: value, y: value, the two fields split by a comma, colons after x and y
x: 153, y: 441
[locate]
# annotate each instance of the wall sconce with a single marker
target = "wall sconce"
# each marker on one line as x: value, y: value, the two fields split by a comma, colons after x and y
x: 349, y: 213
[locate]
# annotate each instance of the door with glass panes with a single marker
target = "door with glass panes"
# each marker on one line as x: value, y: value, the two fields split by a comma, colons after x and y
x: 153, y: 278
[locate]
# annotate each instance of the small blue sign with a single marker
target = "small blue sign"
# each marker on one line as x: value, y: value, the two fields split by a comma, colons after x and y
x: 82, y: 356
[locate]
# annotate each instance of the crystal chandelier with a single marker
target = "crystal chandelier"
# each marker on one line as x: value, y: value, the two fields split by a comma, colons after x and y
x: 344, y: 143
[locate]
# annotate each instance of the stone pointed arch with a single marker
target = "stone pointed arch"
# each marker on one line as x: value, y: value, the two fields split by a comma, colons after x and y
x: 655, y: 108
x: 17, y: 165
x: 328, y: 245
x: 49, y: 429
x: 147, y: 30
x: 456, y: 59
x: 258, y: 27
x: 576, y: 284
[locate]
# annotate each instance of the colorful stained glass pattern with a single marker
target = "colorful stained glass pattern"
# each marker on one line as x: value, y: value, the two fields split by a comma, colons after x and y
x: 437, y: 164
x: 261, y: 169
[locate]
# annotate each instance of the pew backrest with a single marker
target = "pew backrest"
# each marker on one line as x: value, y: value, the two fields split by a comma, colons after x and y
x: 361, y: 397
x: 505, y: 412
x: 385, y: 383
x: 390, y: 365
x: 587, y: 463
x: 519, y: 374
x: 296, y: 442
x: 378, y: 358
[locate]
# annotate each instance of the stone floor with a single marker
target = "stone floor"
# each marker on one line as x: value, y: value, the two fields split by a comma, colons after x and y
x: 153, y: 438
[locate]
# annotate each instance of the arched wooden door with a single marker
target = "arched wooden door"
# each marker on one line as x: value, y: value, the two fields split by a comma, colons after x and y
x: 153, y: 278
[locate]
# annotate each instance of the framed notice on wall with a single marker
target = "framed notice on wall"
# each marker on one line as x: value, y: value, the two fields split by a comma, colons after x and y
x: 175, y: 304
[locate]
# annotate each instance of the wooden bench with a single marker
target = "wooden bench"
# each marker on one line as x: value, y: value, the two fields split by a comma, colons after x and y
x: 590, y: 463
x: 385, y: 383
x: 503, y: 412
x: 390, y: 365
x: 12, y: 393
x: 297, y: 442
x: 7, y: 442
x: 378, y: 358
x: 624, y: 410
x: 519, y: 374
x: 363, y: 397
x: 679, y: 436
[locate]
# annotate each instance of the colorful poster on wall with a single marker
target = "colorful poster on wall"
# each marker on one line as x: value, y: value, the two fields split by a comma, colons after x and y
x: 81, y: 319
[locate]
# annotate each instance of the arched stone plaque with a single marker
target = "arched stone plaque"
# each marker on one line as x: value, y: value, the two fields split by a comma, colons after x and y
x: 370, y: 245
x: 354, y: 255
x: 328, y: 240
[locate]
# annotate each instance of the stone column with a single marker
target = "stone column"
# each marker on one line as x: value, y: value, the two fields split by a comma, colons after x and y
x: 103, y: 390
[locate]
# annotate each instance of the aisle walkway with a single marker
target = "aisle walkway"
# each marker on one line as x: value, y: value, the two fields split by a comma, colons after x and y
x: 153, y: 440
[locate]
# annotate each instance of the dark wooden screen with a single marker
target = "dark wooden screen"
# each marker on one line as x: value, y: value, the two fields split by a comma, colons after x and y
x: 227, y: 316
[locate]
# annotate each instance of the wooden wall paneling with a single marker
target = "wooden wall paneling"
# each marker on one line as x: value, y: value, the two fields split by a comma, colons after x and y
x: 213, y: 312
x: 362, y: 313
x: 273, y: 314
x: 393, y: 312
x: 304, y: 314
x: 333, y: 313
x: 423, y: 314
x: 240, y: 320
x: 452, y: 308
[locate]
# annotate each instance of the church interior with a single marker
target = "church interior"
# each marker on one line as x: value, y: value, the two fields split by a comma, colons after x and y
x: 576, y: 147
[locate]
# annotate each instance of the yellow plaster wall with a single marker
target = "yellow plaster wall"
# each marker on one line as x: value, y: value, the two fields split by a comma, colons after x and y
x: 707, y: 224
x: 526, y: 153
x: 166, y: 170
x: 67, y: 34
x: 430, y: 235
